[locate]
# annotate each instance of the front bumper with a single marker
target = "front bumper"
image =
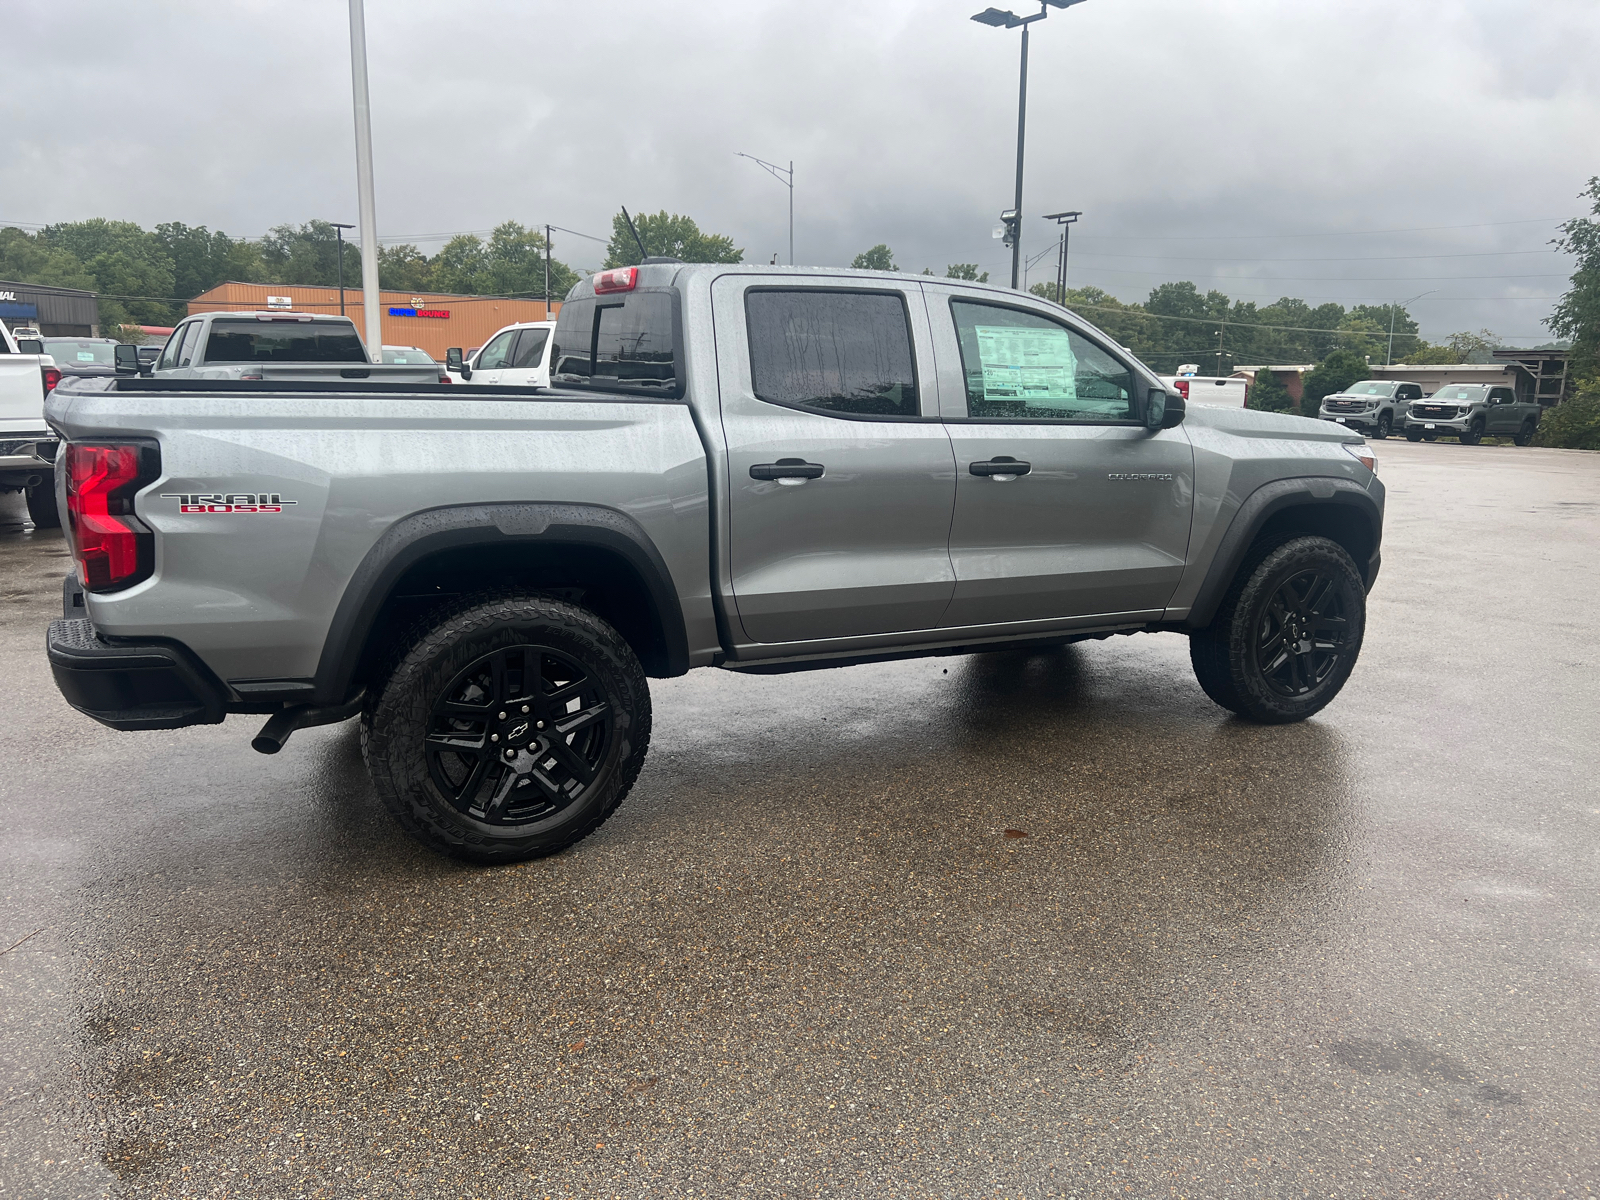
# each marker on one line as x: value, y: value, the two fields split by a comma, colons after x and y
x: 132, y: 685
x: 1362, y: 420
x: 1438, y: 424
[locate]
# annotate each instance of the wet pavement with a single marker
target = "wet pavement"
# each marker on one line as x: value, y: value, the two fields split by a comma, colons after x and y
x: 810, y: 956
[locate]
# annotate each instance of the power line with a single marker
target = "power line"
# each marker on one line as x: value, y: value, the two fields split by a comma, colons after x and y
x: 1238, y: 237
x: 1334, y: 258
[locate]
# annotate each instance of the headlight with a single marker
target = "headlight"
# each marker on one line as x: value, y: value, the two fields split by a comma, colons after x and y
x: 1363, y: 454
x: 1371, y: 404
x: 1463, y: 412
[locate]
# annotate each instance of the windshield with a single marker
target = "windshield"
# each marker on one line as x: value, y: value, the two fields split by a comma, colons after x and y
x: 284, y: 341
x: 1370, y: 387
x: 408, y: 356
x: 70, y: 352
x: 1467, y: 394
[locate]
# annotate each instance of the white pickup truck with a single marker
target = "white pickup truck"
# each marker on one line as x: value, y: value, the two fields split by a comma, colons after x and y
x: 1229, y: 391
x: 27, y: 444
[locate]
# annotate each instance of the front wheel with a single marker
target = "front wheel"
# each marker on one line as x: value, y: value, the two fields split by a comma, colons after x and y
x: 1287, y: 634
x: 1385, y: 427
x: 1524, y: 435
x: 1413, y: 435
x: 1472, y: 434
x: 510, y: 729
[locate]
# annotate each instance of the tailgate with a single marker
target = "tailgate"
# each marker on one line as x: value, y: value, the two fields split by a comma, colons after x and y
x: 21, y: 394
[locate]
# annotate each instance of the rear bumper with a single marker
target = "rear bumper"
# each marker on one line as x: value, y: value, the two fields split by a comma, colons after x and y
x: 142, y: 685
x: 26, y: 461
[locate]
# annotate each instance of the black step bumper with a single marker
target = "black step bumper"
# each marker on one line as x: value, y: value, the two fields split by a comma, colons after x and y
x: 132, y: 685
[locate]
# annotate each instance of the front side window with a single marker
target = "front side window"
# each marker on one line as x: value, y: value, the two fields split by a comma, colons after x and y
x: 1022, y: 366
x: 169, y: 352
x: 497, y: 354
x: 190, y: 341
x: 836, y: 352
x: 530, y: 348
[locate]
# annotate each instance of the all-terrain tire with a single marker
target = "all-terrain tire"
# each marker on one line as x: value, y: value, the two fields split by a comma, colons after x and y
x: 1524, y: 435
x: 42, y: 510
x: 1286, y: 635
x: 550, y: 796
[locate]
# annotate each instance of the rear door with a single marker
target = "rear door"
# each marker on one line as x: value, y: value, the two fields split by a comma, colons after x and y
x: 529, y: 365
x: 1067, y: 507
x: 840, y: 475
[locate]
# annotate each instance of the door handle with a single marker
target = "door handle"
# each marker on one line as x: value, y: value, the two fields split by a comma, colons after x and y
x: 787, y: 468
x: 1001, y: 466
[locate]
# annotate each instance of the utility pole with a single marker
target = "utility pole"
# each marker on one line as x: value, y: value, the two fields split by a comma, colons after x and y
x: 1066, y: 220
x: 338, y: 233
x: 1389, y: 357
x: 784, y: 176
x: 547, y: 272
x: 1220, y: 330
x: 1001, y: 19
x: 368, y: 214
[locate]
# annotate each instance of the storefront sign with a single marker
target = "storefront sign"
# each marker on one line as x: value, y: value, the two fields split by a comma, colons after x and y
x: 280, y: 301
x: 442, y: 314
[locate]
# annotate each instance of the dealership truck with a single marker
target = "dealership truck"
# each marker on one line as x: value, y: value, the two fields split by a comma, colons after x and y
x: 27, y: 444
x: 760, y: 469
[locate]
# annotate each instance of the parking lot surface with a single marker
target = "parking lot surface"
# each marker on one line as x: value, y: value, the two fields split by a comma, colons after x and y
x: 811, y: 954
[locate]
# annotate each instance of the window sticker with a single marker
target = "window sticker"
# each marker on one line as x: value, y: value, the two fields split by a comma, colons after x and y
x: 85, y: 355
x: 1033, y: 365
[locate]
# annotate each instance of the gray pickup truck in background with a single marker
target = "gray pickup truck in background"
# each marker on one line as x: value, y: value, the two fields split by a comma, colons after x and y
x: 272, y: 346
x: 755, y: 468
x: 1468, y: 411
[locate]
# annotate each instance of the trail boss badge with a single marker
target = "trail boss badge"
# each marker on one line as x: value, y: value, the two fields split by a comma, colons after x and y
x: 232, y: 502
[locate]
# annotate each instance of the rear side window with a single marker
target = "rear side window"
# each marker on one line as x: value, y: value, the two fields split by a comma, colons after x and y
x: 628, y: 342
x: 530, y: 347
x: 283, y: 341
x: 836, y: 352
x: 1023, y: 366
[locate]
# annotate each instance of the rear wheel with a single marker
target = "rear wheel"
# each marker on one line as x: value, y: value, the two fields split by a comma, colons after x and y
x: 1524, y: 435
x: 1472, y: 434
x: 510, y: 729
x: 42, y: 509
x: 1287, y: 634
x: 1385, y: 427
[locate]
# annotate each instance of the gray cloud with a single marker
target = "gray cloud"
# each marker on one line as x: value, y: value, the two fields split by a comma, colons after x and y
x: 1186, y: 132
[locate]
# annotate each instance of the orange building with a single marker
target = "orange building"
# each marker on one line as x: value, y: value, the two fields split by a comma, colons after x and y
x: 431, y: 321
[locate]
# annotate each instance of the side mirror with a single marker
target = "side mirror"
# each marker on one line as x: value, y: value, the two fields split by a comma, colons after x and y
x: 1163, y: 410
x: 30, y: 346
x: 127, y: 358
x: 454, y: 361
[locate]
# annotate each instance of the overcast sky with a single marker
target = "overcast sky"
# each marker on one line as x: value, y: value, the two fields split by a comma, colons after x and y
x: 1353, y: 150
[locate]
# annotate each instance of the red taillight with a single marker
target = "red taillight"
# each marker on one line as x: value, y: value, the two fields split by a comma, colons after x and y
x: 113, y: 548
x: 52, y: 376
x: 622, y: 279
x: 1182, y: 385
x: 444, y: 376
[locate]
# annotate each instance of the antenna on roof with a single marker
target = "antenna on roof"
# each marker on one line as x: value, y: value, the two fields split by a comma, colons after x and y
x: 643, y: 253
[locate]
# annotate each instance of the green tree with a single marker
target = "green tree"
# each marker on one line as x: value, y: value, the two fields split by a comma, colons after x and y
x: 667, y: 235
x: 1334, y: 373
x: 202, y: 259
x: 879, y: 258
x: 1577, y: 316
x: 510, y: 263
x: 1573, y: 424
x: 26, y: 259
x: 131, y: 269
x: 404, y: 268
x: 967, y: 271
x: 1269, y: 394
x: 1463, y: 347
x: 308, y: 254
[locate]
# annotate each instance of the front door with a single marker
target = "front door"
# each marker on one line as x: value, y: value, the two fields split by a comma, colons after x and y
x: 494, y: 358
x: 1067, y: 507
x: 1504, y: 415
x: 840, y: 477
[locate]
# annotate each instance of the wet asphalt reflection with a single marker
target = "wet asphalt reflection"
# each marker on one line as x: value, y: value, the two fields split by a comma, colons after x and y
x: 1020, y: 924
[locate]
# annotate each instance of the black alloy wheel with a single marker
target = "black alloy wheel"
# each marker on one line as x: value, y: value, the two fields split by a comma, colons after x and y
x: 1473, y: 433
x: 1524, y: 435
x: 518, y: 735
x: 508, y: 727
x: 1385, y: 426
x: 1302, y: 632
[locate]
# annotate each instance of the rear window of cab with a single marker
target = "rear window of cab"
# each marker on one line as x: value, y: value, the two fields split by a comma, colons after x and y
x: 628, y: 342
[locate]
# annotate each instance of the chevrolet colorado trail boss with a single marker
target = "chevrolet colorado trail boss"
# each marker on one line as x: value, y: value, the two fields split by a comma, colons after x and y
x: 755, y: 468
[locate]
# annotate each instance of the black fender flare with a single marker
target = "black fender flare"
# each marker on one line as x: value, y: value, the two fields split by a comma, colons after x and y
x: 411, y: 539
x: 1260, y: 506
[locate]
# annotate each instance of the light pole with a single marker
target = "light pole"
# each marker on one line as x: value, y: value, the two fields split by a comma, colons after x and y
x: 1389, y: 357
x: 338, y: 233
x: 1000, y: 19
x: 784, y: 176
x: 367, y: 206
x: 1066, y: 220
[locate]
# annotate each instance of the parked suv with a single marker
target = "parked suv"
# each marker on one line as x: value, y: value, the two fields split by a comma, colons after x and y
x: 1375, y: 406
x: 1469, y: 410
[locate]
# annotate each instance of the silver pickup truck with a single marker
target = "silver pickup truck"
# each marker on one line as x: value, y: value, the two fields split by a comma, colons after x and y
x: 754, y: 468
x: 272, y: 346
